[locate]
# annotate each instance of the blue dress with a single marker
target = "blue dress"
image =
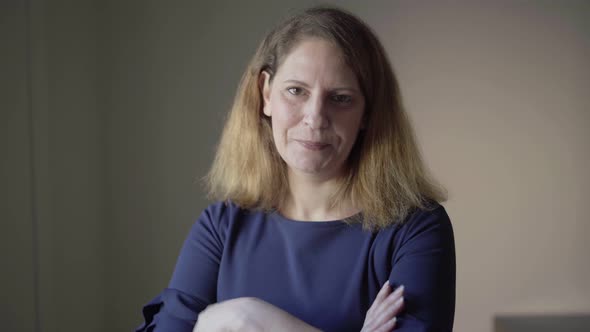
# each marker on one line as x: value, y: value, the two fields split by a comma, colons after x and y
x: 325, y: 273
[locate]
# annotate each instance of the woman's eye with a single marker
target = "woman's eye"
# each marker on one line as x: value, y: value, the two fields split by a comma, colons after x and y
x: 295, y: 91
x: 342, y: 99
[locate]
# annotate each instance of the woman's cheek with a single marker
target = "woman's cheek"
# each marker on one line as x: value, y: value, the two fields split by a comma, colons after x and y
x: 288, y: 112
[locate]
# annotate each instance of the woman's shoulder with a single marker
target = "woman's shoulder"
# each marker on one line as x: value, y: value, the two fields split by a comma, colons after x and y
x: 430, y: 224
x: 222, y: 214
x: 218, y: 221
x: 431, y: 212
x: 221, y: 209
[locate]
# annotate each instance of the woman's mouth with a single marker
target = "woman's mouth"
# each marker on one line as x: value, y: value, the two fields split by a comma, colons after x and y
x: 311, y: 145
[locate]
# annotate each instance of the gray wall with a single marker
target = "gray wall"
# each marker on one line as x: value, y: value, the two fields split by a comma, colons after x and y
x: 53, y: 168
x: 111, y: 118
x: 17, y: 308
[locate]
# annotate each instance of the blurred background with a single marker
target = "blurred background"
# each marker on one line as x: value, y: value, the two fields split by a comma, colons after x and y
x: 110, y: 111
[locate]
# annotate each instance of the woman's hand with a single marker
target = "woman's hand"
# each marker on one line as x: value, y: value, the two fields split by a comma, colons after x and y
x: 248, y: 314
x: 381, y: 315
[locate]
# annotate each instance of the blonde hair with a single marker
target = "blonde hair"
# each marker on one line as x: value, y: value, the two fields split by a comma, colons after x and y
x: 386, y: 176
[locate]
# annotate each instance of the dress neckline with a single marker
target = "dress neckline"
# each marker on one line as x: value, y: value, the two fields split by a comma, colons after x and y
x: 275, y: 214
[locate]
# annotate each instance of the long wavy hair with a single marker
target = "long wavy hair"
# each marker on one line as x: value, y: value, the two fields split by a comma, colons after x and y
x: 386, y: 177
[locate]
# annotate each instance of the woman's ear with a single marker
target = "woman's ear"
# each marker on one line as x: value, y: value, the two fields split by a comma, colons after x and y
x: 264, y: 85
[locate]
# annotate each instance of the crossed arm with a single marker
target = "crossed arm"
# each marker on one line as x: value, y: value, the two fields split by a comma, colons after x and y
x: 253, y: 315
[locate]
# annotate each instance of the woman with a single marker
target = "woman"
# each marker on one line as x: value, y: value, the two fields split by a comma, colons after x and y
x: 326, y: 217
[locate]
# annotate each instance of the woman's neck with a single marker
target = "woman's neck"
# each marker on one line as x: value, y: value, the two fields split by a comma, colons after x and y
x: 310, y: 199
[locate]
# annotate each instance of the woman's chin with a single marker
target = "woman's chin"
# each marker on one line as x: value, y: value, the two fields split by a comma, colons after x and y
x: 314, y: 170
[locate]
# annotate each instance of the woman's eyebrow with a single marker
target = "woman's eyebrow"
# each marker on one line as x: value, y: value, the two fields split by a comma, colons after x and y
x: 296, y: 82
x: 343, y: 88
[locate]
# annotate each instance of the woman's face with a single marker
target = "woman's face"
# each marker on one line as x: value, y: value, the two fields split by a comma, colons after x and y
x: 316, y: 108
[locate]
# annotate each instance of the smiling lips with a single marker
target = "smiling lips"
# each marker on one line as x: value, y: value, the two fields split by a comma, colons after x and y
x: 311, y: 145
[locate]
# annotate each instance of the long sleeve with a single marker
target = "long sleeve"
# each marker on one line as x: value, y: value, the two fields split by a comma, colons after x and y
x: 424, y: 262
x: 305, y: 267
x: 193, y: 285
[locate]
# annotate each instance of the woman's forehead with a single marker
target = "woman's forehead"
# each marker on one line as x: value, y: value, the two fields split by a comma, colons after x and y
x: 316, y: 59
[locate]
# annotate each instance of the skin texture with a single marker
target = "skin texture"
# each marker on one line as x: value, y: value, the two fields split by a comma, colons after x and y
x: 316, y: 108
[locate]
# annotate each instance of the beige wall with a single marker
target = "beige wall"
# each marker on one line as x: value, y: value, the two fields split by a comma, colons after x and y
x: 500, y: 96
x: 128, y: 99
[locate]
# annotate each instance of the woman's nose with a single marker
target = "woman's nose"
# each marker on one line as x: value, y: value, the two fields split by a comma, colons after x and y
x: 316, y: 113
